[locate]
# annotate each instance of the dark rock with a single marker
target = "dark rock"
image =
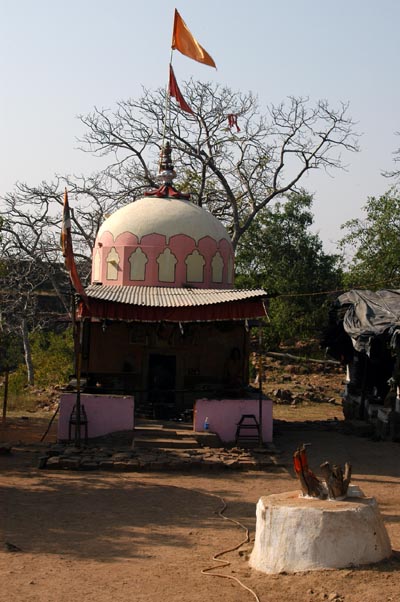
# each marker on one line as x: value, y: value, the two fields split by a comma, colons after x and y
x: 72, y: 450
x: 57, y: 449
x: 5, y: 449
x: 283, y: 394
x: 10, y: 547
x: 121, y: 456
x: 120, y: 466
x: 71, y: 463
x: 106, y: 464
x: 88, y: 465
x: 42, y: 462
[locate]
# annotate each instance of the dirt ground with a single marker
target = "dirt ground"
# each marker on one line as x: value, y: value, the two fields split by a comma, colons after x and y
x: 100, y: 536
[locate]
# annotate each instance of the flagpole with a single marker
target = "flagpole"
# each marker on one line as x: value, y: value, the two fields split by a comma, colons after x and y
x: 167, y: 105
x: 75, y: 283
x: 184, y: 41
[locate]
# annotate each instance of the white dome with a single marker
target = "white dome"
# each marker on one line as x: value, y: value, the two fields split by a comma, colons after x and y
x: 163, y: 242
x: 165, y: 216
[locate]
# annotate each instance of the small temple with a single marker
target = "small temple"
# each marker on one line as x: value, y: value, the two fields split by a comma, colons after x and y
x: 165, y: 334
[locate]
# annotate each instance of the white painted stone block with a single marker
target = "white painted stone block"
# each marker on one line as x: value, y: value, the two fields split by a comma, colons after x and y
x: 296, y: 534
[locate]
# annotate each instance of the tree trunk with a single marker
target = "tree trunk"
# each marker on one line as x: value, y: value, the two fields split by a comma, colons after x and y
x: 5, y: 397
x: 27, y: 352
x: 297, y: 358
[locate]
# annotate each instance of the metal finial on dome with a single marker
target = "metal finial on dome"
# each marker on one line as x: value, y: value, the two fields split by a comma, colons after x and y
x: 166, y: 172
x: 166, y: 175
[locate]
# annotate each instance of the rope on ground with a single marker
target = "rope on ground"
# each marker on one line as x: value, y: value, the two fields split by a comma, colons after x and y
x: 225, y: 563
x: 216, y: 557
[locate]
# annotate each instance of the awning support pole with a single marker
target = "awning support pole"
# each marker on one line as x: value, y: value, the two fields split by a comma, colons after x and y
x: 260, y: 390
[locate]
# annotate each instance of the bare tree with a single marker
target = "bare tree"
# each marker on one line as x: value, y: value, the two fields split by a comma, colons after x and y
x: 22, y: 284
x: 30, y: 254
x: 234, y: 173
x: 32, y: 215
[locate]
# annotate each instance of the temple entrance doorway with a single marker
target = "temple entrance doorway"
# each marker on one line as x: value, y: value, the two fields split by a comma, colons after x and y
x: 162, y: 385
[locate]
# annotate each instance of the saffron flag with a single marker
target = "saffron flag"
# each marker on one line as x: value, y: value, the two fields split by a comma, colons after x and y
x: 186, y: 43
x: 67, y: 250
x: 176, y: 93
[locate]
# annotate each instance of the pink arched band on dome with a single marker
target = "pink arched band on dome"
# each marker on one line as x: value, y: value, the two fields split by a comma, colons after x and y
x: 166, y: 263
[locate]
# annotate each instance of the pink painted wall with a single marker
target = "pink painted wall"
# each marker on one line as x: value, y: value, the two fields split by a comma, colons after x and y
x: 152, y: 245
x: 106, y: 414
x: 224, y: 414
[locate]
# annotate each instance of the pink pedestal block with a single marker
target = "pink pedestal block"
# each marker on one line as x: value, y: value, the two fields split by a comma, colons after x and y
x: 224, y: 414
x: 105, y: 413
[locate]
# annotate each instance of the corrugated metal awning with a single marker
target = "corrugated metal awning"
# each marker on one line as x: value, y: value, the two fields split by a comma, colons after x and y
x: 155, y: 304
x: 156, y: 296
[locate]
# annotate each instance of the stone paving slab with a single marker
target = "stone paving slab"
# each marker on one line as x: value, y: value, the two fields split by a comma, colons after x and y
x: 157, y: 460
x: 181, y: 443
x: 152, y: 447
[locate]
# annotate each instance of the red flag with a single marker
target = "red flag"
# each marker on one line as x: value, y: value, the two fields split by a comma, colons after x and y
x: 176, y: 93
x: 232, y: 121
x: 67, y: 251
x: 184, y: 41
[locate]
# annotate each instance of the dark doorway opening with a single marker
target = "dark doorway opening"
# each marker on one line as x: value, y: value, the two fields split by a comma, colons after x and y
x: 162, y: 385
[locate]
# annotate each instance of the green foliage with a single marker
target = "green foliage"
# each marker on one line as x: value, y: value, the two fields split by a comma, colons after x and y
x: 282, y: 255
x: 375, y: 244
x: 52, y: 355
x: 10, y: 351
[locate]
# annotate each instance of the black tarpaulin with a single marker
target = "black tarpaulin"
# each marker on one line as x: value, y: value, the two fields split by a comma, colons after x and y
x: 369, y: 314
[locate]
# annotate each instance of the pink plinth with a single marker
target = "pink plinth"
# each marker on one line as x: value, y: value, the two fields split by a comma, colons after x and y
x: 105, y: 413
x: 224, y: 414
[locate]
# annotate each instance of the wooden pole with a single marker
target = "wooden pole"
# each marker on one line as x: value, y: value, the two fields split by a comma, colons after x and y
x: 49, y: 425
x: 78, y: 391
x: 78, y: 387
x: 78, y: 361
x: 5, y: 397
x: 363, y: 388
x: 260, y: 391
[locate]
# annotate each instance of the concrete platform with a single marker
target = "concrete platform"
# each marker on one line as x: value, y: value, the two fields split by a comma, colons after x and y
x: 295, y: 534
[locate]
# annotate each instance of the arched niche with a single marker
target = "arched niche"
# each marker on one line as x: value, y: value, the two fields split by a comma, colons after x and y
x: 137, y: 261
x: 166, y: 266
x: 217, y: 267
x: 97, y: 267
x: 112, y: 264
x: 195, y: 267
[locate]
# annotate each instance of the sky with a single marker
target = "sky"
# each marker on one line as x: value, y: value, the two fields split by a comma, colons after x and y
x: 59, y: 59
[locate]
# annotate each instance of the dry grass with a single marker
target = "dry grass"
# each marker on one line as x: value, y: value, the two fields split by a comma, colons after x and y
x: 307, y: 411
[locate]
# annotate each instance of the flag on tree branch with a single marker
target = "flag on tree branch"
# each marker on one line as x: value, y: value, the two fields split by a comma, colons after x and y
x: 233, y: 121
x: 186, y: 43
x: 67, y: 251
x: 176, y: 93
